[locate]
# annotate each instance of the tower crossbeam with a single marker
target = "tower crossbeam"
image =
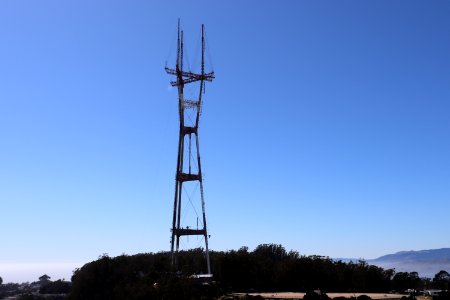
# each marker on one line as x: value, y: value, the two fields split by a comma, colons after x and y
x: 189, y: 77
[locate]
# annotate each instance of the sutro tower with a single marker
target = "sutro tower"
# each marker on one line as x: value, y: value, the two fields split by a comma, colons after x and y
x: 189, y: 170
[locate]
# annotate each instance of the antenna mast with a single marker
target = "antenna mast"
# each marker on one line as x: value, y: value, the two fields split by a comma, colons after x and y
x: 188, y: 127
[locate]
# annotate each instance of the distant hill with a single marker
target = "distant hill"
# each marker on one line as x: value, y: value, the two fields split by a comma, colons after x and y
x: 426, y: 262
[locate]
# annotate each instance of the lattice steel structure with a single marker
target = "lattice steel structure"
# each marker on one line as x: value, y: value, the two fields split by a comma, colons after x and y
x: 188, y: 127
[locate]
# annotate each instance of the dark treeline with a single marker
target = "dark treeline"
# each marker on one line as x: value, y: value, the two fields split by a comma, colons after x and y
x: 272, y: 268
x: 268, y: 268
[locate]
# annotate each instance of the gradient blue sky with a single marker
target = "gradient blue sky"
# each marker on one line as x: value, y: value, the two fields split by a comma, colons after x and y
x: 327, y: 129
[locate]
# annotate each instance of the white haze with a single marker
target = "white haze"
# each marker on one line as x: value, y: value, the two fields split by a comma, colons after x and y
x: 29, y: 272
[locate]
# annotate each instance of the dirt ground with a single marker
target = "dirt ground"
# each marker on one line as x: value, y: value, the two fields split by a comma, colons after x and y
x: 288, y: 295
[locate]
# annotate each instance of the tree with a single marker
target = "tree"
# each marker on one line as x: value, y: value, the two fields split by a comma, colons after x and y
x: 405, y: 280
x: 267, y: 268
x: 55, y: 287
x: 1, y: 280
x: 442, y: 280
x: 44, y: 279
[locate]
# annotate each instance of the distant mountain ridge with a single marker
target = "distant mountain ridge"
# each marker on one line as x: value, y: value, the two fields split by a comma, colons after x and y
x: 425, y: 262
x: 433, y: 254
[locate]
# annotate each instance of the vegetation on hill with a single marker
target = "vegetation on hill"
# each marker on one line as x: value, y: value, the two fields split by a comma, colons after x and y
x: 268, y: 268
x: 44, y: 288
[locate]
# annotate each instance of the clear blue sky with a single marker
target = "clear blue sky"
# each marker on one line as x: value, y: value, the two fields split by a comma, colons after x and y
x: 327, y: 129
